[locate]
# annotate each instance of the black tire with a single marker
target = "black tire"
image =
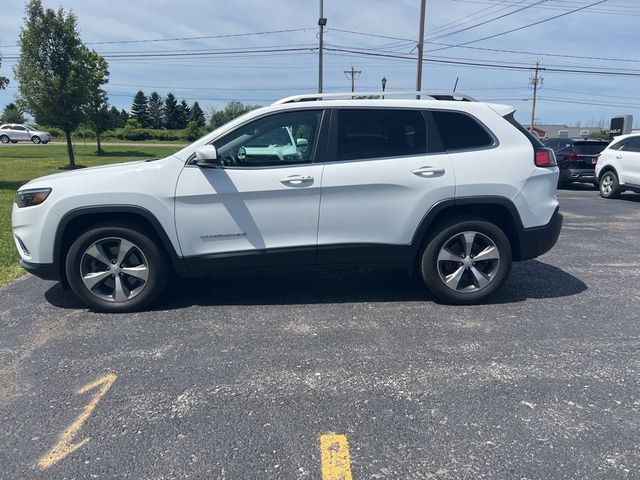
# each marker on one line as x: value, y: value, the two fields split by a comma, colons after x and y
x: 609, y: 185
x: 144, y: 253
x: 35, y: 139
x: 14, y: 141
x: 4, y: 139
x: 45, y: 142
x: 495, y: 271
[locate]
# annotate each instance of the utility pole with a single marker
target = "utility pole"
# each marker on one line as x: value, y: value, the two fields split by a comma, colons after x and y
x: 423, y: 6
x: 354, y: 74
x: 536, y: 82
x: 322, y: 22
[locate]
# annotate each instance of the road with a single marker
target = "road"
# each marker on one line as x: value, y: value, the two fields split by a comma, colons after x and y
x: 247, y: 375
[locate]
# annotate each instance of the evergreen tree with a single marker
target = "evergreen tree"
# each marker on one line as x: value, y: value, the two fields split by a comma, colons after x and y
x: 183, y: 114
x: 231, y: 111
x: 197, y: 115
x: 56, y: 73
x: 12, y: 114
x: 116, y: 122
x: 155, y: 110
x: 171, y: 112
x: 140, y: 109
x: 124, y: 116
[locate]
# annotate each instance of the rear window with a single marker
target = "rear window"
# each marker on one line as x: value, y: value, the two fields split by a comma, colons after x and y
x: 591, y: 148
x: 460, y: 131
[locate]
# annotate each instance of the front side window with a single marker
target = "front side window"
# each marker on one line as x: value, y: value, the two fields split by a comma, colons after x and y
x: 375, y: 133
x: 276, y: 140
x: 620, y: 145
x: 460, y: 131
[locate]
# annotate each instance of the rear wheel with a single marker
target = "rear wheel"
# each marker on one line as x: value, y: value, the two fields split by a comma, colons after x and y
x: 466, y: 261
x: 4, y: 139
x: 116, y: 269
x: 609, y: 186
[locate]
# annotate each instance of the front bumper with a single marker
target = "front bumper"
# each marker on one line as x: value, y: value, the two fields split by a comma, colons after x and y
x: 45, y: 271
x: 536, y: 241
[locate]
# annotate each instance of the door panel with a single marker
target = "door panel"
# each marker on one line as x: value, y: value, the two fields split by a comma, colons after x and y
x: 381, y: 182
x: 263, y: 195
x: 629, y: 162
x: 222, y: 210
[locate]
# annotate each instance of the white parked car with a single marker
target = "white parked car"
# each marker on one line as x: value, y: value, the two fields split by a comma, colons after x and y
x: 618, y: 166
x: 12, y: 132
x: 455, y: 190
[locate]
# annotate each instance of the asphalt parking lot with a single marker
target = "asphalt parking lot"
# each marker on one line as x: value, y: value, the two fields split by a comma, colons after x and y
x: 273, y: 375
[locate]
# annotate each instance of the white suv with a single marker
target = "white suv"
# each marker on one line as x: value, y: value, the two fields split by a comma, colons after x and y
x: 453, y: 189
x: 618, y: 167
x: 11, y: 132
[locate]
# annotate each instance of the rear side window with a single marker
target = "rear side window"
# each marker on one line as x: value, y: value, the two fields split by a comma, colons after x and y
x: 633, y: 145
x: 375, y: 133
x: 460, y: 131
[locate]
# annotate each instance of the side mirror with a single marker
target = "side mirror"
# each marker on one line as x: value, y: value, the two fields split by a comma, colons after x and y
x: 207, y: 157
x: 302, y: 142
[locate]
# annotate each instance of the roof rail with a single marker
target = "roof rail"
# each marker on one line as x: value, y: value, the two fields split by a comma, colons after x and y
x: 426, y: 95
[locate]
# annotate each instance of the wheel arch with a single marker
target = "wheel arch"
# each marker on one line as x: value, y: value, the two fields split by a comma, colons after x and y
x: 81, y: 219
x: 497, y: 210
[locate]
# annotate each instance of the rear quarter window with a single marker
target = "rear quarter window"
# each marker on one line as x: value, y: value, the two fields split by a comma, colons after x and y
x: 460, y: 131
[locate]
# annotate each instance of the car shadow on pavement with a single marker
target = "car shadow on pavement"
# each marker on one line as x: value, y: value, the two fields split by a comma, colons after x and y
x: 529, y: 280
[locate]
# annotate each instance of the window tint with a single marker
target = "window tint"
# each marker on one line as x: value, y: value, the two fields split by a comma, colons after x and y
x: 275, y: 140
x: 590, y: 148
x: 460, y: 131
x: 376, y: 133
x: 21, y: 129
x: 633, y: 145
x: 620, y: 145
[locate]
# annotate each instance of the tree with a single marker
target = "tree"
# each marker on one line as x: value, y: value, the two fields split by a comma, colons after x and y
x: 55, y: 70
x: 97, y: 109
x: 116, y: 118
x: 183, y: 114
x: 197, y: 115
x: 140, y: 109
x: 231, y: 111
x: 12, y: 114
x: 155, y: 110
x: 171, y: 113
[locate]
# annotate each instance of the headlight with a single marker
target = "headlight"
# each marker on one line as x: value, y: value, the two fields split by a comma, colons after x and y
x: 32, y: 197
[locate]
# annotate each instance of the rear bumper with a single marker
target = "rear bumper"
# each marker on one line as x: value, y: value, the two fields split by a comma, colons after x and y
x: 46, y: 271
x: 536, y: 241
x: 578, y: 175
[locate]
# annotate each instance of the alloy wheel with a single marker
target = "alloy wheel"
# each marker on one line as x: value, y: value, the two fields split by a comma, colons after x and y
x: 468, y: 262
x: 114, y: 269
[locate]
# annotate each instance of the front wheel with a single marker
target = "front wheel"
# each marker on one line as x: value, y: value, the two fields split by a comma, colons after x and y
x: 4, y: 139
x: 609, y: 186
x: 466, y: 261
x: 35, y: 139
x: 116, y: 269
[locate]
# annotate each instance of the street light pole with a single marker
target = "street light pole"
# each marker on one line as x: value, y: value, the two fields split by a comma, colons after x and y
x: 322, y: 22
x: 423, y: 6
x: 384, y: 85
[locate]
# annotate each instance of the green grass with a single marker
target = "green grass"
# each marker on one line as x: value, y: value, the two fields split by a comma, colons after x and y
x: 18, y: 165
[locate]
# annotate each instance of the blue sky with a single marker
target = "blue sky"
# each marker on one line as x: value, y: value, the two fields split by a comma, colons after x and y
x: 602, y: 38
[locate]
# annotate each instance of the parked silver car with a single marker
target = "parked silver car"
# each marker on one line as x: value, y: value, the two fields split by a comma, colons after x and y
x: 14, y: 133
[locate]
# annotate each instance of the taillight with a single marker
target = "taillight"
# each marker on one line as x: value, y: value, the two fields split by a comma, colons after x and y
x: 571, y: 156
x: 544, y: 157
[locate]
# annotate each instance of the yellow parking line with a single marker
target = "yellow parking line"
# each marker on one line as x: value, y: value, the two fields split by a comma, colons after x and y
x: 334, y: 453
x: 64, y: 446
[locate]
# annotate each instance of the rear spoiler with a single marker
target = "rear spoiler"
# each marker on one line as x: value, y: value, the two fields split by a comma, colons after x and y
x: 502, y: 110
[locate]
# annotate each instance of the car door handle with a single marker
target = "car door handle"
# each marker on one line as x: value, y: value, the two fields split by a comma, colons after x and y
x: 428, y: 171
x: 296, y: 180
x: 618, y: 157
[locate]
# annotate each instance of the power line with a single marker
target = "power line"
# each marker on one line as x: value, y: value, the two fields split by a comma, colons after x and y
x: 531, y: 5
x: 523, y: 26
x: 180, y: 39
